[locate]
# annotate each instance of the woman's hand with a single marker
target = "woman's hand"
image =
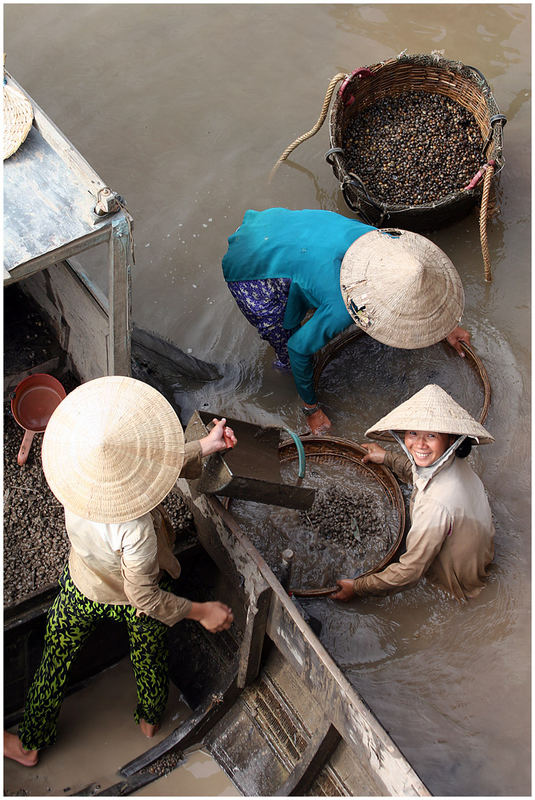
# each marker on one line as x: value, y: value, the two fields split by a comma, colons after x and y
x: 318, y: 422
x: 213, y: 615
x: 456, y: 337
x: 221, y: 437
x: 346, y: 590
x: 375, y: 453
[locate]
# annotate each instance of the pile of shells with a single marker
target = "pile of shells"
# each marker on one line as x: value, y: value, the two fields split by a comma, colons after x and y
x: 180, y: 516
x: 35, y: 542
x: 36, y: 545
x: 413, y: 148
x: 356, y: 520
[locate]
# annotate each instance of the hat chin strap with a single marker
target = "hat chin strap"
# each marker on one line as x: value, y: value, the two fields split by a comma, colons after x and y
x: 443, y: 458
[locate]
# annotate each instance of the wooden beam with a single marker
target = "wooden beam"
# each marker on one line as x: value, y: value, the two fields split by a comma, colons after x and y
x: 119, y: 296
x: 253, y: 637
x: 317, y: 753
x: 35, y: 265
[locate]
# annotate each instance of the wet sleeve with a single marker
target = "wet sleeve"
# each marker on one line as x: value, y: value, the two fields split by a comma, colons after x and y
x: 297, y: 306
x: 191, y: 468
x: 302, y: 345
x: 430, y: 525
x: 140, y: 571
x: 400, y: 465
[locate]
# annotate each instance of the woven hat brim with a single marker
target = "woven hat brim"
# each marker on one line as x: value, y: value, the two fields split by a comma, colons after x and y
x: 17, y: 118
x: 408, y: 291
x: 112, y: 449
x: 430, y: 409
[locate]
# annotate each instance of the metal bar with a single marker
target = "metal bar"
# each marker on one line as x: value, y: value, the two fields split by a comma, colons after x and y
x: 319, y: 749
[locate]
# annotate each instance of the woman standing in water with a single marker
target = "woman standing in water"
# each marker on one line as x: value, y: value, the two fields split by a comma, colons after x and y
x: 451, y: 538
x: 397, y: 286
x: 112, y: 450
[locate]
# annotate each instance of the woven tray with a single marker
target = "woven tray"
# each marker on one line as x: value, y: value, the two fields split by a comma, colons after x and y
x: 331, y: 450
x: 425, y: 73
x: 18, y: 118
x: 345, y: 338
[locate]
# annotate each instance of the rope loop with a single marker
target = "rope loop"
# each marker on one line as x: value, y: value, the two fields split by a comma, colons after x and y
x: 340, y: 76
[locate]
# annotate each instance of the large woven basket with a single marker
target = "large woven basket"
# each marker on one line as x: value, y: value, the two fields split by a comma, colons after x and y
x: 422, y: 73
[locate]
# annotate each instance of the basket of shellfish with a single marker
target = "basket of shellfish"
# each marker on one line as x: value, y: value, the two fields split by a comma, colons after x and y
x: 412, y: 139
x: 355, y: 525
x: 415, y: 142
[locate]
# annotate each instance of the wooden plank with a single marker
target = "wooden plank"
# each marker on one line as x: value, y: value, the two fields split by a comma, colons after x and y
x: 119, y: 296
x: 191, y: 731
x: 319, y: 749
x: 379, y: 756
x: 34, y: 265
x: 253, y: 638
x: 78, y: 319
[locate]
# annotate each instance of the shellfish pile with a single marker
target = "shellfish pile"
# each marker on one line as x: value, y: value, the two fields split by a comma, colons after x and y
x: 355, y: 520
x: 413, y: 148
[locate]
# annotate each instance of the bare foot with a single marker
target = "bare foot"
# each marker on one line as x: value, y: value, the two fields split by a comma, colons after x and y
x: 147, y: 729
x: 13, y: 749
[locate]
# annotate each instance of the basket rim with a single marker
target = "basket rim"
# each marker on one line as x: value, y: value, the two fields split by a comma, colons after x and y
x: 382, y: 475
x: 467, y: 73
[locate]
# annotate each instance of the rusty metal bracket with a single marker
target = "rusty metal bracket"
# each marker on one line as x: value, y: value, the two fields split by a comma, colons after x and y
x: 108, y: 202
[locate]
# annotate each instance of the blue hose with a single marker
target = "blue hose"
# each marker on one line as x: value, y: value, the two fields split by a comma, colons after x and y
x: 300, y: 450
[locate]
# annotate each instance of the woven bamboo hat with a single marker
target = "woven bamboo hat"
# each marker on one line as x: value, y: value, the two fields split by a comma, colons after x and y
x: 401, y: 288
x: 18, y: 118
x: 430, y: 409
x: 112, y: 449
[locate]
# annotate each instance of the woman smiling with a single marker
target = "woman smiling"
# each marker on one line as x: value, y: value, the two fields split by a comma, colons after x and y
x: 451, y: 538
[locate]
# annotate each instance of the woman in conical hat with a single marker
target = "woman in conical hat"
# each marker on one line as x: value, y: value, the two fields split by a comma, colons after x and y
x: 396, y: 285
x: 451, y: 538
x: 112, y: 451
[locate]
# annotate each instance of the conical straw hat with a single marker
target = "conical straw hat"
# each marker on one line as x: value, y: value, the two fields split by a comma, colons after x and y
x: 112, y: 449
x: 18, y: 117
x: 401, y: 288
x: 430, y: 409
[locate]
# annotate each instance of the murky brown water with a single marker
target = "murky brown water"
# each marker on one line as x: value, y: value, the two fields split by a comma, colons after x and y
x: 183, y: 109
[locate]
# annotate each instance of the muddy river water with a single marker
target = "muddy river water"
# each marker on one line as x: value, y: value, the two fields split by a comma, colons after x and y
x: 183, y: 109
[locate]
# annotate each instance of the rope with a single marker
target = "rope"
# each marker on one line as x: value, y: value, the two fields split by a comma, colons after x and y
x: 340, y: 76
x: 483, y: 221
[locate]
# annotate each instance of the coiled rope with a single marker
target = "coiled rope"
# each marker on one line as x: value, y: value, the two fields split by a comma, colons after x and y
x: 489, y: 172
x: 340, y: 76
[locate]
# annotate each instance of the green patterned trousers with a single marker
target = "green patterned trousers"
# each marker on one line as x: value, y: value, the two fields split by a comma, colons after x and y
x: 71, y: 619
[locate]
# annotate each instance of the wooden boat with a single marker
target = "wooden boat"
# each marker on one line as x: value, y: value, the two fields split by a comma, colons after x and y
x: 268, y: 702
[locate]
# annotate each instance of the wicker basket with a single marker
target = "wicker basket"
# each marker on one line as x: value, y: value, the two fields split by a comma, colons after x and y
x: 331, y: 450
x: 351, y: 334
x: 424, y: 73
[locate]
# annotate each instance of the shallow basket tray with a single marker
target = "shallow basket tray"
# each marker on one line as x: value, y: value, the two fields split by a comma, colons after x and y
x: 421, y: 73
x: 332, y: 450
x: 349, y: 335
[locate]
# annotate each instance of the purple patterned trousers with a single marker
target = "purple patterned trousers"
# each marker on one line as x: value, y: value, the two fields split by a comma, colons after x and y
x: 263, y: 304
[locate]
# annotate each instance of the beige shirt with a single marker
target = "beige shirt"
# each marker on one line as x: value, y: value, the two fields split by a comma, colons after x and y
x: 451, y: 538
x: 120, y: 563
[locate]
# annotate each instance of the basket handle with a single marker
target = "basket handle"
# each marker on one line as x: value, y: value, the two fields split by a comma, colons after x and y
x: 494, y: 120
x: 475, y: 69
x: 329, y: 155
x: 353, y: 180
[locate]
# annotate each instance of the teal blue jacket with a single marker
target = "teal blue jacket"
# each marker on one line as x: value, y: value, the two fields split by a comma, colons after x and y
x: 306, y: 246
